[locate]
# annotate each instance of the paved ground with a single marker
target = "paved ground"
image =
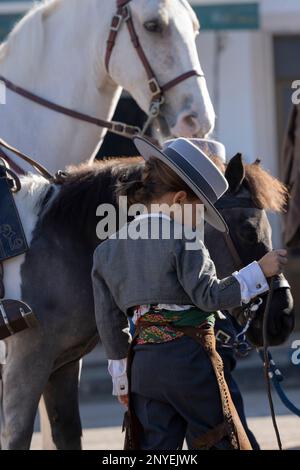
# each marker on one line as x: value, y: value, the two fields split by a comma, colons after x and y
x: 102, y: 423
x: 102, y: 415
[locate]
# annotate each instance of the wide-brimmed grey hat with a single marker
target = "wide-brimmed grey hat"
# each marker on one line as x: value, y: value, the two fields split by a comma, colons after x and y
x: 211, y: 148
x: 193, y: 167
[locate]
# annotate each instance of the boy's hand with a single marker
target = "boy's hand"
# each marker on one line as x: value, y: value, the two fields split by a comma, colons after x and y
x: 123, y: 399
x: 273, y: 262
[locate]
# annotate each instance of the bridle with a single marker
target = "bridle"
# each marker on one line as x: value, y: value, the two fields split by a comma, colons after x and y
x: 157, y: 91
x: 122, y: 15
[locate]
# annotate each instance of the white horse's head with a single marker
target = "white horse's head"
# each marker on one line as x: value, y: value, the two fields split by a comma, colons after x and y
x: 167, y: 30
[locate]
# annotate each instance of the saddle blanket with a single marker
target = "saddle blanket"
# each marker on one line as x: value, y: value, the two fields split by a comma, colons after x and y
x: 12, y: 238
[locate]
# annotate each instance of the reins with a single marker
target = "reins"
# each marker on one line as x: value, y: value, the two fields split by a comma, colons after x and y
x: 37, y: 166
x: 115, y: 127
x: 267, y: 362
x: 246, y: 202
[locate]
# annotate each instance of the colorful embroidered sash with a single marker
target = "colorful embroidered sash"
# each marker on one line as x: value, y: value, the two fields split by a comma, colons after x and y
x: 161, y: 333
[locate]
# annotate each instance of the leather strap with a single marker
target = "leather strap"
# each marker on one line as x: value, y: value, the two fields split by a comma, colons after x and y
x: 232, y: 425
x: 37, y: 166
x: 14, y: 166
x: 119, y: 128
x: 209, y: 439
x: 12, y: 178
x: 131, y: 424
x: 124, y: 15
x: 113, y: 126
x: 233, y: 251
x: 180, y: 78
x: 235, y: 430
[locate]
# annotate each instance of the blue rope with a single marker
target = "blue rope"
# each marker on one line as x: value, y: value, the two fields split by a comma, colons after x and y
x: 277, y: 377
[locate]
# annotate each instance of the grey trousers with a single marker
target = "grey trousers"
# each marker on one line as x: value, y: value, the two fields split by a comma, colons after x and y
x: 175, y: 394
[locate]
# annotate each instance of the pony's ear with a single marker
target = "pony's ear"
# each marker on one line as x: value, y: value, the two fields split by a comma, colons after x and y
x: 235, y: 173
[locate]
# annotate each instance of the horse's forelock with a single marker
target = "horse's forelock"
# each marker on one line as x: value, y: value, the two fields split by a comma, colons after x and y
x: 267, y: 191
x: 50, y: 6
x: 162, y: 9
x: 192, y: 13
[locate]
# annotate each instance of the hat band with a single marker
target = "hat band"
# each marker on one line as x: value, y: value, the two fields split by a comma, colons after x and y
x: 192, y: 174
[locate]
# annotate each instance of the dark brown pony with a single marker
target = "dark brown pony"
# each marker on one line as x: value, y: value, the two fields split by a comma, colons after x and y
x: 55, y: 281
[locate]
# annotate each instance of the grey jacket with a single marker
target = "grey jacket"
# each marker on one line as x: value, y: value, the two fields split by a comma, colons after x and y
x: 129, y: 272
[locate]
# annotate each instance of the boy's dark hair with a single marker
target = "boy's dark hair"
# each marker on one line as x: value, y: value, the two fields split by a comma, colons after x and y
x: 156, y: 180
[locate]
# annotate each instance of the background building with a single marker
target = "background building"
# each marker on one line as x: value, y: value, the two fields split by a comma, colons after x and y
x: 250, y: 52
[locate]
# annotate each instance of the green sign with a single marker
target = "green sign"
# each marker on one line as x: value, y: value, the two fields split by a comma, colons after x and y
x: 9, y: 19
x: 212, y: 17
x: 228, y: 16
x: 7, y: 22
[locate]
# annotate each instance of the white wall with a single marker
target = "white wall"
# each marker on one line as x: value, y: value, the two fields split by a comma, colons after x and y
x: 280, y: 15
x: 247, y: 111
x: 246, y: 86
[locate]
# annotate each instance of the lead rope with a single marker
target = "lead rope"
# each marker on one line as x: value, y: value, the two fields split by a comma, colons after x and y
x: 236, y: 257
x: 267, y: 363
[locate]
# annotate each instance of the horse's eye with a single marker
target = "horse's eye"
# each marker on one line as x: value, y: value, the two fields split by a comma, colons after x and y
x: 153, y: 26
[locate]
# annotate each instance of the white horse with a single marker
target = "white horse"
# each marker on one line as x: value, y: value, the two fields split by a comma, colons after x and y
x: 57, y: 51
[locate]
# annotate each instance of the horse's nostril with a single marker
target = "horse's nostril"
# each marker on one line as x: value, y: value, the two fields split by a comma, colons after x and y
x: 190, y: 124
x: 191, y: 121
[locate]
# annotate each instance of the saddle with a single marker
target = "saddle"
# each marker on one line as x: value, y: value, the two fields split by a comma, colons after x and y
x: 15, y: 315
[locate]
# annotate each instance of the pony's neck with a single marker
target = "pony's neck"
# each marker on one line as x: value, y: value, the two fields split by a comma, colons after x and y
x: 57, y: 52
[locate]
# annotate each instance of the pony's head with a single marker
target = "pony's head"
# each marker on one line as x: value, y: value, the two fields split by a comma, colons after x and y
x: 166, y: 32
x: 252, y: 192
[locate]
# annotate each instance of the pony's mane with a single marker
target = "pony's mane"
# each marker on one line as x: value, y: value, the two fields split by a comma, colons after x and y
x: 266, y: 191
x: 30, y: 27
x: 85, y: 187
x: 74, y: 203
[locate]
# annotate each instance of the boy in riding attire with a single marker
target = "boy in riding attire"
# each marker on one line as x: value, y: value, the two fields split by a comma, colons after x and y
x: 176, y: 386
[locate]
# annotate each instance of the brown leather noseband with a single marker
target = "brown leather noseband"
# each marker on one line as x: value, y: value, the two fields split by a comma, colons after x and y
x: 123, y: 15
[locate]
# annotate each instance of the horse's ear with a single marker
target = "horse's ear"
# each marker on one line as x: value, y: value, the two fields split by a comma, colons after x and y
x: 235, y: 173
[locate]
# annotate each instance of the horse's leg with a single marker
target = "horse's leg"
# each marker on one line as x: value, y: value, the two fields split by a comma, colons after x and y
x: 61, y: 402
x: 47, y: 441
x: 23, y: 380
